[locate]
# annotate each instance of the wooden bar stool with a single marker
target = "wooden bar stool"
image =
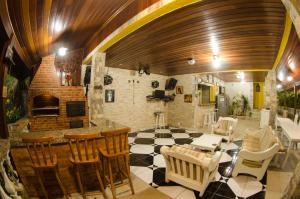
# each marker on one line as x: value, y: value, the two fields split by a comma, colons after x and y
x: 42, y: 158
x: 116, y: 153
x: 84, y: 152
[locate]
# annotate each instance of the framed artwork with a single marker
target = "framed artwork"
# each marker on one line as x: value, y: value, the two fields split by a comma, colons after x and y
x: 110, y: 96
x: 179, y: 89
x: 188, y: 98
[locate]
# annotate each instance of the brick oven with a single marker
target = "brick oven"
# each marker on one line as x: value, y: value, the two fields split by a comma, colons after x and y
x: 52, y: 106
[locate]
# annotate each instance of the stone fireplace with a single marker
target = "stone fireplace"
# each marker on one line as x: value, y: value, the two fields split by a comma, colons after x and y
x: 49, y: 101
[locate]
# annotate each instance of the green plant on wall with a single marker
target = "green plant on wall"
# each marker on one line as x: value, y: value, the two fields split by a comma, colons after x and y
x: 13, y: 103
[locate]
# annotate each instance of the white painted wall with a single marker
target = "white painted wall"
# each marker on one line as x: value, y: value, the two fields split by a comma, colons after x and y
x: 235, y: 88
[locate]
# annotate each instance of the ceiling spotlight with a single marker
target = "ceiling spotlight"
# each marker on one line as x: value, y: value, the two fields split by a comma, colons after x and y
x: 292, y: 65
x: 279, y: 86
x: 290, y: 78
x: 280, y: 76
x: 62, y: 51
x: 240, y: 75
x: 58, y: 26
x: 191, y: 61
x: 216, y: 61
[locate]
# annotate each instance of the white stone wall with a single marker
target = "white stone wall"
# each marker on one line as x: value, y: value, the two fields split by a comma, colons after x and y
x: 131, y: 107
x: 233, y: 89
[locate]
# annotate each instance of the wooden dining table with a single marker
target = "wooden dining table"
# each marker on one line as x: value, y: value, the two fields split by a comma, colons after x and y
x: 292, y: 132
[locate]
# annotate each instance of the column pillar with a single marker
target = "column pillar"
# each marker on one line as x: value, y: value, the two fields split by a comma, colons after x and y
x: 271, y: 95
x: 95, y: 95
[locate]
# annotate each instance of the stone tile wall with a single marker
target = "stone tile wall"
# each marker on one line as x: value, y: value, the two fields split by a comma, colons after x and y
x: 271, y: 95
x: 131, y: 107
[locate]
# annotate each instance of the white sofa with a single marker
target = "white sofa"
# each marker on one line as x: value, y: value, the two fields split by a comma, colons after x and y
x: 190, y: 168
x: 256, y: 153
x: 225, y: 127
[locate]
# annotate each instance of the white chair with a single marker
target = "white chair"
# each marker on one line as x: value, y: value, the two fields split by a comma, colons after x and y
x: 225, y: 127
x: 159, y: 119
x: 207, y: 119
x: 190, y: 168
x: 256, y: 153
x: 296, y: 118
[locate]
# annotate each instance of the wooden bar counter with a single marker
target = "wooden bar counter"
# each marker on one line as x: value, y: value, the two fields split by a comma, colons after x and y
x: 61, y: 148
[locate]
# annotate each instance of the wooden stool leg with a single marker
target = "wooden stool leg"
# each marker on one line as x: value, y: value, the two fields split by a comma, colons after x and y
x: 100, y: 181
x: 38, y: 174
x: 78, y: 175
x: 60, y: 183
x: 112, y: 185
x: 119, y: 169
x: 128, y: 173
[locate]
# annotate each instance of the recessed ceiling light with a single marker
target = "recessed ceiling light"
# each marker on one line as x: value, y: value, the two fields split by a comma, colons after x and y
x: 191, y: 61
x: 216, y: 61
x: 58, y: 26
x: 290, y: 78
x: 292, y: 65
x: 62, y: 51
x: 280, y: 76
x: 279, y: 86
x: 240, y: 75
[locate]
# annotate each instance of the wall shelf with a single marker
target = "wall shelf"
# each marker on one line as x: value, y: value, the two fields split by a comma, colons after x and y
x: 53, y: 115
x: 46, y: 108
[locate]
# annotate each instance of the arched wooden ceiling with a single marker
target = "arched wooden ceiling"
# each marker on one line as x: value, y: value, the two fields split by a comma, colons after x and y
x: 246, y: 35
x: 289, y: 64
x: 82, y: 23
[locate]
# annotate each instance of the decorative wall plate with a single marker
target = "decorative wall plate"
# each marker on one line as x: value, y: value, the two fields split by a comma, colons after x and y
x: 155, y: 84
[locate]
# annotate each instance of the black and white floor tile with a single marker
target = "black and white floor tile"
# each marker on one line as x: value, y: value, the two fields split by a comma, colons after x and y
x: 147, y: 163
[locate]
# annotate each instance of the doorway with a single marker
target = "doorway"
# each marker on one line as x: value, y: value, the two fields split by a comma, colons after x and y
x: 258, y: 95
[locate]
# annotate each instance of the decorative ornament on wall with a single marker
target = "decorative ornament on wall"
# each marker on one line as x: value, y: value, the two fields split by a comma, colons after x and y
x: 110, y: 96
x: 155, y: 84
x: 179, y: 89
x: 108, y: 79
x: 144, y: 68
x: 188, y: 98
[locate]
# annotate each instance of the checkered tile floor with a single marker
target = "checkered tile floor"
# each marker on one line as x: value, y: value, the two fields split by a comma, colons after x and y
x: 147, y: 163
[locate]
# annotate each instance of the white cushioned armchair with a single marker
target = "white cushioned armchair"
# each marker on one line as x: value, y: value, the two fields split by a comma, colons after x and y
x: 225, y: 127
x: 256, y: 153
x: 190, y: 168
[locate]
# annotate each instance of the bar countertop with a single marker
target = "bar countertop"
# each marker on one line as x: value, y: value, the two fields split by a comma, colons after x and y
x: 98, y: 126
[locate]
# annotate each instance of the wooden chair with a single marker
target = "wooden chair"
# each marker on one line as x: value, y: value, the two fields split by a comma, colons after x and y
x: 84, y: 152
x: 42, y: 158
x: 116, y: 152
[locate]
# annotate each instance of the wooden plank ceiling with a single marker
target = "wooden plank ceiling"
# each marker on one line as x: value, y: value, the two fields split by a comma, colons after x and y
x: 42, y: 26
x: 245, y: 34
x: 251, y: 76
x: 289, y: 64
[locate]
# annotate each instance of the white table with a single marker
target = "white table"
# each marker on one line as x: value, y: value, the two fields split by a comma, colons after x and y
x: 207, y: 142
x: 291, y: 131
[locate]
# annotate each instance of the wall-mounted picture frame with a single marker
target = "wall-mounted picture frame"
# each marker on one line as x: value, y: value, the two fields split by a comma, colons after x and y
x: 109, y: 96
x: 188, y: 98
x: 179, y: 89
